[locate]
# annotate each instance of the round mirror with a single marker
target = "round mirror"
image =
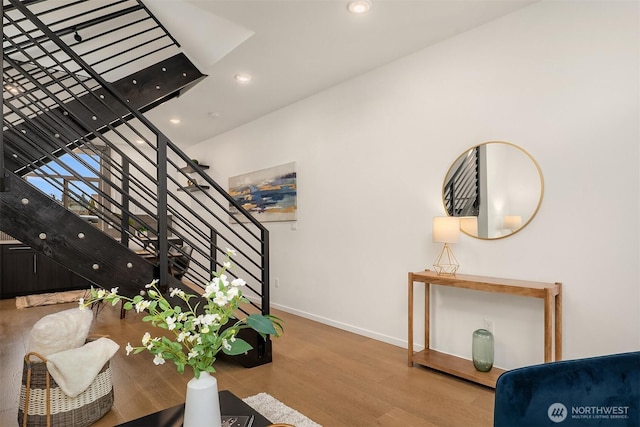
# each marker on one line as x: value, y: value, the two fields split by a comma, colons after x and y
x: 495, y: 188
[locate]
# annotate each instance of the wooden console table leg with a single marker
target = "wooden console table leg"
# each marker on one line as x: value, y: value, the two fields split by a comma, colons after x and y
x: 549, y: 299
x: 558, y: 342
x: 427, y: 313
x: 410, y: 320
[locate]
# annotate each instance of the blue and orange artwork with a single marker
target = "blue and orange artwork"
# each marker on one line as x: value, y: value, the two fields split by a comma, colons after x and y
x: 268, y: 194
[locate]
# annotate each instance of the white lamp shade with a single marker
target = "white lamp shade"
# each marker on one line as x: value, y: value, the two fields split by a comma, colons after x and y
x: 469, y: 224
x: 512, y: 222
x: 446, y: 229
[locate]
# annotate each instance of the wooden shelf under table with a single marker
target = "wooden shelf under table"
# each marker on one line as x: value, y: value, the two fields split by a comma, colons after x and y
x: 457, y: 366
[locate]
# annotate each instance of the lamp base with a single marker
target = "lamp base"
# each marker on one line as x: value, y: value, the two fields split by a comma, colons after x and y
x: 446, y: 264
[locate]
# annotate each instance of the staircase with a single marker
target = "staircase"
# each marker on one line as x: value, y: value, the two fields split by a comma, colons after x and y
x: 77, y: 78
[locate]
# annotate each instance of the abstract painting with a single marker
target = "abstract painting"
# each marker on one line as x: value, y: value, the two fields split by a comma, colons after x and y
x: 268, y: 194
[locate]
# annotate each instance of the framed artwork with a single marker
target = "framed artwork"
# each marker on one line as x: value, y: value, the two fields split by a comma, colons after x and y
x: 268, y: 194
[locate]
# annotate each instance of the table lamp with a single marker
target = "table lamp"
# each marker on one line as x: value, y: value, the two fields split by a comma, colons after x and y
x: 512, y: 222
x: 446, y: 229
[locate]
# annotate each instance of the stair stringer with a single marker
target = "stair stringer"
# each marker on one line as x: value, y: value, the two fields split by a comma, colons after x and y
x: 38, y: 221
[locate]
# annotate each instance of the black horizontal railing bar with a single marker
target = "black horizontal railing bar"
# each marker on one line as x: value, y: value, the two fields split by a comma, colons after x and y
x: 128, y: 50
x: 211, y: 182
x: 33, y: 41
x: 42, y: 73
x: 219, y: 190
x: 35, y: 90
x: 70, y: 29
x: 194, y: 234
x: 91, y: 22
x: 240, y: 251
x: 115, y: 30
x: 109, y: 70
x: 7, y: 6
x: 158, y: 22
x: 109, y: 58
x: 141, y: 6
x: 52, y: 81
x: 125, y: 38
x: 228, y: 227
x: 202, y: 220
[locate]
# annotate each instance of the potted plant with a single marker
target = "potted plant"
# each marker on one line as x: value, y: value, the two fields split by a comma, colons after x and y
x: 195, y: 333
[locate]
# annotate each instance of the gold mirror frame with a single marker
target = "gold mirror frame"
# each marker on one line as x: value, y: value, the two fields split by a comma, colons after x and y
x: 509, y: 186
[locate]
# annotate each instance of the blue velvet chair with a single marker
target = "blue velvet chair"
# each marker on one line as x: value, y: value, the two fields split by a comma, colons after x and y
x: 597, y: 391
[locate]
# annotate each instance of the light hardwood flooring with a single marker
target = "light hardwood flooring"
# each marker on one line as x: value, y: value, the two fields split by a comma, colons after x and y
x: 336, y: 378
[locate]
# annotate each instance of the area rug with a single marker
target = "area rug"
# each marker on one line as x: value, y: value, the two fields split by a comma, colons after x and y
x: 50, y: 298
x: 276, y: 411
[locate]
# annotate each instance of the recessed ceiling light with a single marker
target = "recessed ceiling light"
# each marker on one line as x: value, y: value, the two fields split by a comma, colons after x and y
x: 175, y: 121
x: 140, y: 141
x: 243, y: 78
x: 359, y: 6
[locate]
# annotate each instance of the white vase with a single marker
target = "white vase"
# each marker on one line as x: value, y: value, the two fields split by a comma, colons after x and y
x: 202, y: 405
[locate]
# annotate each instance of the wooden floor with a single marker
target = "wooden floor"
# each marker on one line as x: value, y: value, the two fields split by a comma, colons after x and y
x: 334, y: 377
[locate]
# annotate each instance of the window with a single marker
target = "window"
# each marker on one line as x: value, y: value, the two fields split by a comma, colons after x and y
x: 72, y: 182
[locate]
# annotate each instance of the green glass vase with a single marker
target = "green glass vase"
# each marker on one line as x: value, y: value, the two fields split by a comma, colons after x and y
x: 482, y: 350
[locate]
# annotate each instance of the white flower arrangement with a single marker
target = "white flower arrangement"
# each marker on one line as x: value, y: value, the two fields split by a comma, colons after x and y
x: 198, y: 334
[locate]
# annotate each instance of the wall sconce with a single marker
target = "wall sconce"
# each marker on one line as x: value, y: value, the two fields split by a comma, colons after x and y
x: 512, y: 222
x: 446, y: 229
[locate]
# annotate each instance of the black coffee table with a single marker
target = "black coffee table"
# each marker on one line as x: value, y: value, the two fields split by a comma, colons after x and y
x: 230, y: 404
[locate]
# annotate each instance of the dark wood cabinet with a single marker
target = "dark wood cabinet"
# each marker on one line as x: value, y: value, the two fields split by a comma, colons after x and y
x: 25, y: 272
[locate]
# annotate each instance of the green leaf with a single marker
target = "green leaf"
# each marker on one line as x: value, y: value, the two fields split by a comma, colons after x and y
x: 128, y: 305
x: 147, y: 318
x: 239, y: 346
x: 261, y: 324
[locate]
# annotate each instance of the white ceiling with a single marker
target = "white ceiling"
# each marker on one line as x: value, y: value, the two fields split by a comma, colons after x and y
x: 293, y: 49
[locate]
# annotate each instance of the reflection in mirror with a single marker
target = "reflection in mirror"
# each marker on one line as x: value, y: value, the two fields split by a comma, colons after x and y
x: 495, y: 188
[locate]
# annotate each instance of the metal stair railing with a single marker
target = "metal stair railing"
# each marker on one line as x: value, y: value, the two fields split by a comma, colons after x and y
x: 140, y: 174
x: 462, y: 191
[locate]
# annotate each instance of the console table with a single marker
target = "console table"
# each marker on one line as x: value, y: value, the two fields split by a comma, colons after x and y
x: 551, y: 293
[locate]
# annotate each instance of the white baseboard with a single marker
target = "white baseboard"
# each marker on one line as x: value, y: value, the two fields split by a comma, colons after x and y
x: 344, y: 326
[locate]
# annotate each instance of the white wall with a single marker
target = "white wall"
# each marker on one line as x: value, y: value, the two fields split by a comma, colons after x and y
x: 559, y: 79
